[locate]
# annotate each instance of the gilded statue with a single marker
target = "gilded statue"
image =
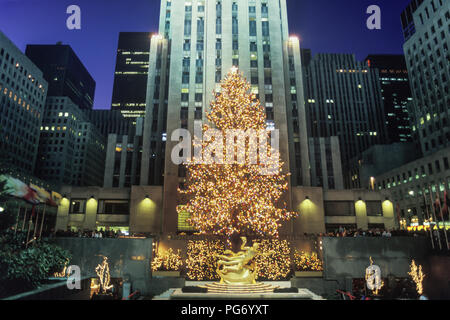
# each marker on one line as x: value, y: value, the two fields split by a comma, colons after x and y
x: 235, y: 268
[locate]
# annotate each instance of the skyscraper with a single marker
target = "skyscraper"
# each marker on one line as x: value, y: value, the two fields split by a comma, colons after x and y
x: 71, y: 149
x: 206, y: 39
x: 64, y: 72
x: 396, y: 94
x: 109, y: 121
x: 130, y: 77
x: 23, y: 91
x: 343, y: 99
x: 428, y: 60
x: 198, y: 44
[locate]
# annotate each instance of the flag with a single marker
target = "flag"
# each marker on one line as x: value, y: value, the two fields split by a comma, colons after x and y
x: 16, y: 188
x: 45, y: 196
x: 42, y: 194
x: 56, y: 199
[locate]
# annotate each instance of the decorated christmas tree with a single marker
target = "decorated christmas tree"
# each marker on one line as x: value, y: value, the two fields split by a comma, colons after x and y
x: 234, y: 187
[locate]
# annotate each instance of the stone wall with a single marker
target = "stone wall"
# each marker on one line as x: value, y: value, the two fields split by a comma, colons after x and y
x: 128, y: 258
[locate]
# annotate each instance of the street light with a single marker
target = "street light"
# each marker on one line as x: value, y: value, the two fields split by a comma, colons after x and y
x: 2, y: 209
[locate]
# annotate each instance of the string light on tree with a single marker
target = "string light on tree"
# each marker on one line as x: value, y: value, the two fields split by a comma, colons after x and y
x: 235, y: 197
x: 201, y: 263
x: 307, y: 262
x: 274, y: 262
x: 63, y: 273
x: 102, y: 271
x: 417, y: 275
x: 167, y: 261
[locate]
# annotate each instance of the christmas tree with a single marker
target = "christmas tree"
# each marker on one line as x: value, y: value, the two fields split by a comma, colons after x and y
x: 236, y: 185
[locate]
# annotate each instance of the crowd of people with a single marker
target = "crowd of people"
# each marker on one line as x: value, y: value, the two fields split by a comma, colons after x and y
x: 85, y: 234
x: 376, y: 232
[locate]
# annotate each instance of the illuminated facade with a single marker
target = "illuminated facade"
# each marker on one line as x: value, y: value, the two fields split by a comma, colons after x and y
x: 139, y: 210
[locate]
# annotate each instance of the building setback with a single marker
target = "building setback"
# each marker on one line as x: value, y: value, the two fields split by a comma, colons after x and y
x: 64, y: 72
x: 343, y: 99
x: 130, y: 77
x: 23, y: 91
x: 427, y: 56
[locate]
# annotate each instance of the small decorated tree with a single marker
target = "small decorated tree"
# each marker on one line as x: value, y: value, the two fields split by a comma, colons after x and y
x: 201, y: 263
x: 304, y: 261
x: 167, y: 261
x: 274, y: 260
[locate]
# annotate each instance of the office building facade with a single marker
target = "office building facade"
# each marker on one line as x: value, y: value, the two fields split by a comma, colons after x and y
x: 123, y: 157
x: 416, y: 186
x: 131, y: 74
x: 343, y: 99
x: 23, y: 91
x: 396, y: 94
x: 326, y: 163
x: 109, y: 121
x: 65, y: 73
x: 427, y: 56
x: 71, y: 149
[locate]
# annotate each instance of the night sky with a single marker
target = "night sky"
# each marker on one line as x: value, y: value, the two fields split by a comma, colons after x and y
x: 328, y: 26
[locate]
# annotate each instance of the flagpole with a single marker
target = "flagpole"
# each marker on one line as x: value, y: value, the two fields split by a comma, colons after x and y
x: 29, y: 224
x: 42, y: 222
x: 435, y: 218
x: 24, y: 219
x: 35, y: 224
x: 17, y: 219
x: 443, y: 221
x: 33, y: 210
x: 429, y: 219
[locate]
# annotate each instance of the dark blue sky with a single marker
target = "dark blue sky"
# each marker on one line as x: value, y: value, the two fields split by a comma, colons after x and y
x: 332, y: 26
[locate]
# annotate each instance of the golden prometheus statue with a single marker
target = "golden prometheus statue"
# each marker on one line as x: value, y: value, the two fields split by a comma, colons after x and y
x: 235, y: 268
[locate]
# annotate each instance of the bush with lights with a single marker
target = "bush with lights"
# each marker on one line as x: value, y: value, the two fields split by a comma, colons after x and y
x: 201, y: 264
x: 167, y: 261
x: 304, y: 261
x: 274, y: 260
